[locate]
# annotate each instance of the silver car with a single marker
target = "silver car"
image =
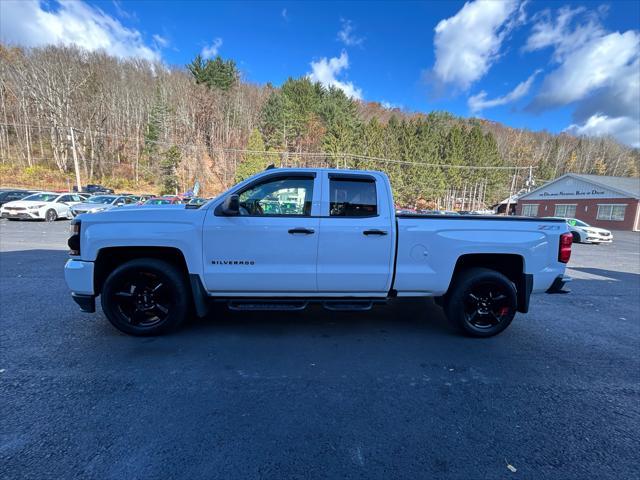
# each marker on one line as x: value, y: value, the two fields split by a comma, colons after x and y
x: 100, y: 203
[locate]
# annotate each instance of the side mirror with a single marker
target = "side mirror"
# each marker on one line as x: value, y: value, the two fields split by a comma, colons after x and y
x: 231, y: 205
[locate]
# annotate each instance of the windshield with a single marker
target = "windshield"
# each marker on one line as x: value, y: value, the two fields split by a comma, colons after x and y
x: 104, y: 199
x: 158, y: 201
x: 577, y: 223
x: 42, y: 197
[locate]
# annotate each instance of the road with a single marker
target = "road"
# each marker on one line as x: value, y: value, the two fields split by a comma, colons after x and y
x: 392, y: 393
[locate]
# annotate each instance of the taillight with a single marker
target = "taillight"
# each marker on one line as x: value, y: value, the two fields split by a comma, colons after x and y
x: 564, y: 253
x: 74, y: 239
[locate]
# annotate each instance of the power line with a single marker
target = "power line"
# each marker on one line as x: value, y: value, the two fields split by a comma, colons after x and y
x: 288, y: 154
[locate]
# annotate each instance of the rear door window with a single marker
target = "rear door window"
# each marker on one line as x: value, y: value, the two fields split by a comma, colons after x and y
x: 352, y: 197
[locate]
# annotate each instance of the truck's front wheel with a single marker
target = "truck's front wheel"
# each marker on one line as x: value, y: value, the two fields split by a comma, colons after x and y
x: 481, y: 302
x: 145, y: 297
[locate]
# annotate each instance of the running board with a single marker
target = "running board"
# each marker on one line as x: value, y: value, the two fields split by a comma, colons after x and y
x: 267, y: 305
x: 348, y: 305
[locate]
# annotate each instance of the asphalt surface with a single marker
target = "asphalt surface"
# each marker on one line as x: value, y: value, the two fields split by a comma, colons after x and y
x: 392, y: 393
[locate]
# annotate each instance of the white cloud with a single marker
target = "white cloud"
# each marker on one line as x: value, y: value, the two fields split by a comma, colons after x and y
x: 480, y: 102
x: 597, y: 71
x: 210, y: 51
x: 346, y: 34
x: 467, y: 44
x: 624, y: 129
x: 29, y: 24
x: 326, y: 70
x: 160, y: 40
x: 590, y: 66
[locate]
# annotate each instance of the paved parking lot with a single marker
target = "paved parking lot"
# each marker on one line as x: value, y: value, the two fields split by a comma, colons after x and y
x: 388, y: 394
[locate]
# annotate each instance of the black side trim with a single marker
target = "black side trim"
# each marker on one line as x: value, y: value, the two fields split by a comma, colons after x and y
x: 524, y: 289
x: 87, y: 302
x: 199, y: 295
x: 498, y: 218
x: 354, y: 177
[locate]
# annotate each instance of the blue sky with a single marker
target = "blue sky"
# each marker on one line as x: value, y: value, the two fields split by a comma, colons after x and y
x: 539, y: 65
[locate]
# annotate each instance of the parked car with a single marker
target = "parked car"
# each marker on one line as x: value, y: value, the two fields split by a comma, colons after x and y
x: 144, y: 197
x: 10, y: 195
x: 100, y: 203
x: 163, y: 201
x: 198, y: 201
x: 343, y: 247
x: 47, y: 206
x: 584, y: 233
x: 94, y: 189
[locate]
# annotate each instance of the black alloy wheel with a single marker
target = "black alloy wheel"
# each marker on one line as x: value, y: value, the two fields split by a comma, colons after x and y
x: 143, y: 299
x: 146, y: 297
x: 481, y: 302
x: 486, y: 305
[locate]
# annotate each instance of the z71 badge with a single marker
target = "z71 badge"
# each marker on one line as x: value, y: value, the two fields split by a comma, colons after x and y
x: 548, y: 227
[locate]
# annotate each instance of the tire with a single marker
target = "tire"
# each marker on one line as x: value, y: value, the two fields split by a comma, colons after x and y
x: 146, y: 297
x: 51, y: 215
x: 481, y: 303
x: 576, y: 237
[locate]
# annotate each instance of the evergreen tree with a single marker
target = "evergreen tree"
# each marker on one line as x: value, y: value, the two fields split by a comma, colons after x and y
x: 156, y: 126
x: 168, y: 167
x: 254, y: 161
x: 216, y: 74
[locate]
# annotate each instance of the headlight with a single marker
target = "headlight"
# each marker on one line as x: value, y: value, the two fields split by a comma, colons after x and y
x: 97, y: 209
x: 35, y: 207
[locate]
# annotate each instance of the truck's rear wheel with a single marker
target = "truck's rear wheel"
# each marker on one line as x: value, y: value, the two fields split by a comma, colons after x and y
x: 145, y: 297
x: 481, y: 302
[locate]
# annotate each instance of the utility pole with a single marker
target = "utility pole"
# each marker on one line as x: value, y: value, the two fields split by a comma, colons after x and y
x: 75, y: 159
x: 530, y: 181
x: 513, y: 184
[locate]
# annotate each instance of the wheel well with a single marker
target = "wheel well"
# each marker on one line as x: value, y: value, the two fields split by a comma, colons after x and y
x: 110, y: 258
x: 510, y: 265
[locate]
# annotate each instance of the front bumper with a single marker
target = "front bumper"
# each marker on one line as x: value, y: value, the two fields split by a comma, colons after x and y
x: 598, y: 239
x: 21, y: 214
x: 79, y: 276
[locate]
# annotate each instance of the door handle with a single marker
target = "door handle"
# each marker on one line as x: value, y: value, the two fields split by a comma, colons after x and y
x: 306, y: 231
x: 374, y: 232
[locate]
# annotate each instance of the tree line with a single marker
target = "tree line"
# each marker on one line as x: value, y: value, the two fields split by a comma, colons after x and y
x: 138, y: 123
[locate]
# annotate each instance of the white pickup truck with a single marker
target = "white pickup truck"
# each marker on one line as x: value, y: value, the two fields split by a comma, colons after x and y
x: 287, y: 237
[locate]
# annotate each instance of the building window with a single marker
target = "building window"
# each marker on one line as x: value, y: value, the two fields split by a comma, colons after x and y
x: 611, y: 212
x: 565, y: 210
x: 530, y: 209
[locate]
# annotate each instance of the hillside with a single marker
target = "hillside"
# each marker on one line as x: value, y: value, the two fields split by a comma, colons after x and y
x: 140, y: 126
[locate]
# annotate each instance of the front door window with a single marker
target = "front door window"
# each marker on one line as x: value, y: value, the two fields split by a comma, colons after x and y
x: 279, y: 196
